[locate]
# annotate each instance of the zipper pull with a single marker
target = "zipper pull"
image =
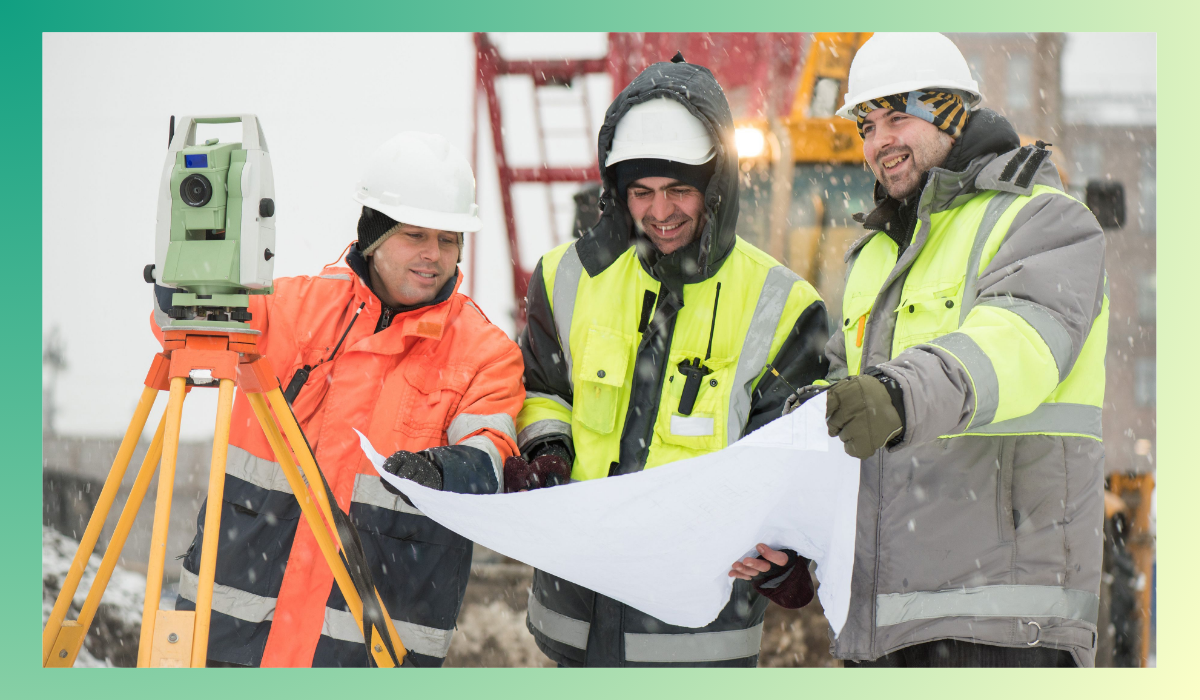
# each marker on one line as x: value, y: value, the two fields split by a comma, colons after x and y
x: 862, y: 327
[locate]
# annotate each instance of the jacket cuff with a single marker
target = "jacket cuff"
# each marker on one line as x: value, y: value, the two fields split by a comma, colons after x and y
x: 465, y: 469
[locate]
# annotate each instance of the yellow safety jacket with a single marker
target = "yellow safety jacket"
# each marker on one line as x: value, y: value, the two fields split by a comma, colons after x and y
x: 760, y: 301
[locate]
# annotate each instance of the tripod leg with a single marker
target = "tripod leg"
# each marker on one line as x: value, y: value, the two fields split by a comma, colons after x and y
x: 212, y: 524
x: 91, y: 535
x: 304, y: 459
x: 311, y: 472
x: 315, y: 522
x: 116, y: 544
x: 162, y: 519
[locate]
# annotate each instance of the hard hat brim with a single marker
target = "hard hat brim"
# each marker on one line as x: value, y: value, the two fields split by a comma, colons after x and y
x: 425, y: 218
x: 684, y: 153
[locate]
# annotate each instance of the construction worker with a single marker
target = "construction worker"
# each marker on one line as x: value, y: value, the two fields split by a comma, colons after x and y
x: 648, y: 342
x: 421, y: 372
x: 969, y: 377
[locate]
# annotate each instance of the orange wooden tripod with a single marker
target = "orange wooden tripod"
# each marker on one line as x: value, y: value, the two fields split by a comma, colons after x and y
x: 179, y: 638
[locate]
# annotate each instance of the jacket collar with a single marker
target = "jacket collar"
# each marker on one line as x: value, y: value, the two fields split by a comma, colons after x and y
x: 424, y: 321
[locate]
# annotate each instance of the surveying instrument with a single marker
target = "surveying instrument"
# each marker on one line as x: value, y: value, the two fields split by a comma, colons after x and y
x: 215, y: 232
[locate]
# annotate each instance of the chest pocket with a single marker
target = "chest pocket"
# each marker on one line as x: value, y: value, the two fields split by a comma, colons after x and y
x: 927, y: 313
x: 705, y: 428
x: 856, y: 313
x: 601, y: 378
x: 431, y: 394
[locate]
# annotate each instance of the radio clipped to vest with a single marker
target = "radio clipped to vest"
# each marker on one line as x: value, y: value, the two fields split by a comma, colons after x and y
x: 694, y: 369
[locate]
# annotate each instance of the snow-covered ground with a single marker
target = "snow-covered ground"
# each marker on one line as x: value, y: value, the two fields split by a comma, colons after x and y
x: 113, y: 636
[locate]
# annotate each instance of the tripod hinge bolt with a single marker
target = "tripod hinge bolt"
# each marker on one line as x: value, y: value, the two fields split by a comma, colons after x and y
x: 172, y: 638
x: 62, y: 654
x: 378, y: 648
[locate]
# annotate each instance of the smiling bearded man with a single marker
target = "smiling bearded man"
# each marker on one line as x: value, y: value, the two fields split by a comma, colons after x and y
x: 969, y: 378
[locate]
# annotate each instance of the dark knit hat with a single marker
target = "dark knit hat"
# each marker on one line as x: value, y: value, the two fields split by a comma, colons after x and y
x: 372, y: 226
x: 628, y: 172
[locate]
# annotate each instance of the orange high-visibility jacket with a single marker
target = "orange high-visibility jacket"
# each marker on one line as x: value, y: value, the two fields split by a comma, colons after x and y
x: 438, y: 375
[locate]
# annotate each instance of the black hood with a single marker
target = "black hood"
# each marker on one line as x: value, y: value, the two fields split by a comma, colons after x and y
x: 696, y: 88
x: 986, y: 134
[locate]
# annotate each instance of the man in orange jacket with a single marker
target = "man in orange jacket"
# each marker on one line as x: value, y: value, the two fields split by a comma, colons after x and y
x: 421, y: 372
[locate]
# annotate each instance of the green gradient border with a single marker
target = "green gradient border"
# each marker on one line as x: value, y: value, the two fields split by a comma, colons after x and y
x: 20, y: 187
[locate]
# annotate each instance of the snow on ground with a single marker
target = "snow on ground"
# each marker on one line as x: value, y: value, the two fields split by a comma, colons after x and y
x: 113, y: 636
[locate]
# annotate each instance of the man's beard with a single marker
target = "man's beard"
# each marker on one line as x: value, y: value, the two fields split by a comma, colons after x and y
x: 684, y: 221
x: 924, y: 155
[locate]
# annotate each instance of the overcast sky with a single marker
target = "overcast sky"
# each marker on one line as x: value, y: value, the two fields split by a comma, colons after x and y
x: 325, y: 102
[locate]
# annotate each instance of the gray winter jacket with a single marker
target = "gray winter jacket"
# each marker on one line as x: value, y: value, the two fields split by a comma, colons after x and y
x: 984, y: 523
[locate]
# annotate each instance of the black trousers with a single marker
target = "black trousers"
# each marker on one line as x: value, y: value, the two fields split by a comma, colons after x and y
x: 952, y: 653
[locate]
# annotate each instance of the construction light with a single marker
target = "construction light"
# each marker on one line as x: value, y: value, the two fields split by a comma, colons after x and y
x: 750, y: 142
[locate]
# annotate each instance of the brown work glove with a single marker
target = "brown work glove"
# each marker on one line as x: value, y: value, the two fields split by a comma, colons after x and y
x: 859, y: 410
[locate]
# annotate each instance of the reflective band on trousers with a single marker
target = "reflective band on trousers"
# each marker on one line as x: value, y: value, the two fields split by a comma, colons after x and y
x: 693, y: 648
x: 1049, y: 418
x: 466, y: 423
x: 226, y: 600
x: 757, y: 345
x: 429, y: 641
x: 651, y: 648
x: 556, y: 626
x: 988, y: 601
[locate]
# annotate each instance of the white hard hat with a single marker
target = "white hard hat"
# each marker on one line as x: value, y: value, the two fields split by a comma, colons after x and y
x: 422, y: 180
x: 661, y: 128
x: 898, y: 63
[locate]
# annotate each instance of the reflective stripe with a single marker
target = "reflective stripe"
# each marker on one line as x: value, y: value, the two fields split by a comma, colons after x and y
x: 485, y: 444
x: 566, y: 285
x: 1036, y: 315
x: 541, y: 428
x: 263, y: 473
x: 369, y: 490
x: 1050, y: 419
x: 987, y: 601
x: 343, y: 277
x: 429, y: 641
x: 693, y: 648
x: 466, y: 423
x: 556, y: 626
x: 551, y: 397
x: 757, y: 345
x: 983, y: 376
x: 995, y: 209
x: 230, y: 601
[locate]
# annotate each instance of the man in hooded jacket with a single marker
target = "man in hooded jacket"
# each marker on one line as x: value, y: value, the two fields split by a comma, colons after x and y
x: 969, y: 377
x: 649, y: 341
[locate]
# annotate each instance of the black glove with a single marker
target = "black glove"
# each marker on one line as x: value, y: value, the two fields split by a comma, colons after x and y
x: 861, y: 410
x: 413, y: 466
x: 542, y: 472
x: 788, y: 586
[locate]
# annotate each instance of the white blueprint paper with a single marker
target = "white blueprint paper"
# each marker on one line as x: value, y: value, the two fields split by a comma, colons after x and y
x: 663, y: 540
